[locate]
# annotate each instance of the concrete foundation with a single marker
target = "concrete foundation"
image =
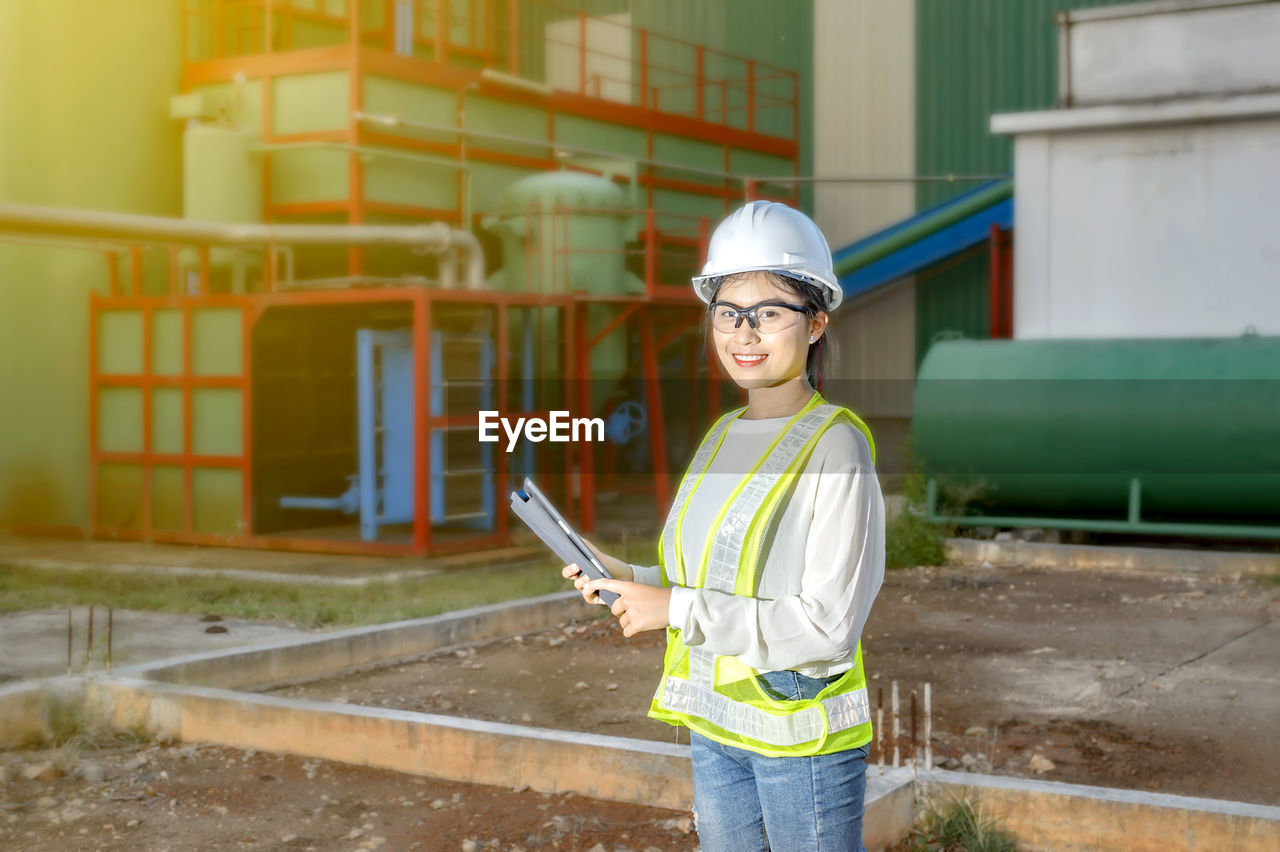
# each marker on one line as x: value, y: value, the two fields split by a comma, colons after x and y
x: 1111, y: 560
x: 24, y: 713
x: 292, y: 660
x: 1075, y: 818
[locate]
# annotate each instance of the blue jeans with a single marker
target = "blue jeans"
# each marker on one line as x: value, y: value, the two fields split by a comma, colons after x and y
x: 746, y: 802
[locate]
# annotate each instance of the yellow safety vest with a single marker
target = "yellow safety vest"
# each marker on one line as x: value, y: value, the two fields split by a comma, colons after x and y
x: 719, y: 696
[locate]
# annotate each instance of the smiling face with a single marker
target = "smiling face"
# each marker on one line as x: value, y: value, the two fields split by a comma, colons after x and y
x: 757, y: 360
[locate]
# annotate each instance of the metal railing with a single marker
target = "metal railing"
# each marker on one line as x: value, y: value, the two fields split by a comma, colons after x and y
x: 539, y: 41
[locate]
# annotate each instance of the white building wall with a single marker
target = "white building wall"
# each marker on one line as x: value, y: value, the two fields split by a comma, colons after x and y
x: 864, y: 113
x: 1150, y: 51
x: 1165, y: 230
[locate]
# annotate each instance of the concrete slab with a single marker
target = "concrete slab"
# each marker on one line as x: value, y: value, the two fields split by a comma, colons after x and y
x: 1111, y: 559
x: 289, y: 660
x: 37, y: 639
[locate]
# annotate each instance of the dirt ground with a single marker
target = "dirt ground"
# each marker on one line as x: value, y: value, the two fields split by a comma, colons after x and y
x: 190, y: 798
x: 1116, y: 681
x: 1135, y: 682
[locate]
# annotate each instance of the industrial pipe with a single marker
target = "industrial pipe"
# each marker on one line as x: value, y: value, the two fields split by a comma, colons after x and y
x: 437, y: 237
x: 979, y: 200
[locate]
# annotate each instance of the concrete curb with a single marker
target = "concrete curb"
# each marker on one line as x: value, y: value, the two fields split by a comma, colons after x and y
x: 1165, y: 562
x: 454, y: 748
x: 1070, y: 817
x: 292, y: 660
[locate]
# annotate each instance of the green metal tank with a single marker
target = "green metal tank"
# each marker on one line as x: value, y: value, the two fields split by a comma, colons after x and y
x: 1165, y: 430
x: 567, y: 232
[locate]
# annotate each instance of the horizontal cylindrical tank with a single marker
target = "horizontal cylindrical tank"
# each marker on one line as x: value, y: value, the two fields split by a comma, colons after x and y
x: 1065, y: 426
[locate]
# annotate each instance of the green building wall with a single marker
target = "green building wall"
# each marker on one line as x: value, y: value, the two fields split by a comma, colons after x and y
x: 84, y: 97
x: 974, y: 59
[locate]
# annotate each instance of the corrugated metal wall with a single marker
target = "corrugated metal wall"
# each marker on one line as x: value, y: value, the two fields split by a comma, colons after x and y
x: 974, y: 58
x: 864, y: 118
x: 875, y: 365
x: 955, y: 299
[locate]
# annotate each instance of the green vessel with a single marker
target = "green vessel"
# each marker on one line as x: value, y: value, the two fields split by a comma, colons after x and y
x: 1130, y: 432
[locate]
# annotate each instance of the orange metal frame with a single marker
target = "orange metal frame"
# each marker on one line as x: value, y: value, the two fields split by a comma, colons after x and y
x: 267, y: 52
x: 423, y: 300
x: 254, y: 38
x: 252, y: 307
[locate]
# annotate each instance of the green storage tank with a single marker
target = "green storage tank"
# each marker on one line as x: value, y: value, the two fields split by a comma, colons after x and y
x: 1152, y: 430
x: 570, y: 229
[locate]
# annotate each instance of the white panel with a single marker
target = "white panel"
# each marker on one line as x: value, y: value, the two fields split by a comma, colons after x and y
x: 1151, y: 232
x: 876, y: 352
x: 608, y: 57
x: 1183, y: 52
x: 1031, y: 237
x: 864, y: 113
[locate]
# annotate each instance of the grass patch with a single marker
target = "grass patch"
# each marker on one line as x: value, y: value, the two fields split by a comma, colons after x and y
x: 72, y: 731
x: 910, y: 540
x: 297, y: 604
x: 958, y: 826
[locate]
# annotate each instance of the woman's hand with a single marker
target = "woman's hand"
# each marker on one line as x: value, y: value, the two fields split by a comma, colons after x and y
x: 619, y: 569
x: 574, y: 573
x: 639, y: 607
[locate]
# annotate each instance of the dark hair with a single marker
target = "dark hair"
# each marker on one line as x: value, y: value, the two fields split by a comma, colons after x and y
x: 818, y: 362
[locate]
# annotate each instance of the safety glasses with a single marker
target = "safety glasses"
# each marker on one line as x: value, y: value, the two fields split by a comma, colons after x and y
x: 763, y: 317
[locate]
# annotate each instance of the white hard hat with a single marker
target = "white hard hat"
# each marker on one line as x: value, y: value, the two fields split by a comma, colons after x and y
x: 771, y: 237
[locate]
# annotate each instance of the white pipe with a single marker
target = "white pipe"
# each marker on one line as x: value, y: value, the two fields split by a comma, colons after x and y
x: 928, y: 726
x: 896, y: 759
x: 493, y: 75
x: 880, y: 734
x: 436, y: 237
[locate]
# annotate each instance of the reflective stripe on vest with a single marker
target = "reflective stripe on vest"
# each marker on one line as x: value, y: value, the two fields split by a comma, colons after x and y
x: 722, y: 565
x: 843, y: 711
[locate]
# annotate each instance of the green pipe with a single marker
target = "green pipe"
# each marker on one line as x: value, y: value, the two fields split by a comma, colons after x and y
x: 927, y: 226
x: 1133, y: 525
x: 1148, y: 527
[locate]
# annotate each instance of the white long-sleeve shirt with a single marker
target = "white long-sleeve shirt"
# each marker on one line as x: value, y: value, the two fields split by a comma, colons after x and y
x: 823, y: 559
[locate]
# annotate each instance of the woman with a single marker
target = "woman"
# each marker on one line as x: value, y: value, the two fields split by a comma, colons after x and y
x: 771, y: 556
